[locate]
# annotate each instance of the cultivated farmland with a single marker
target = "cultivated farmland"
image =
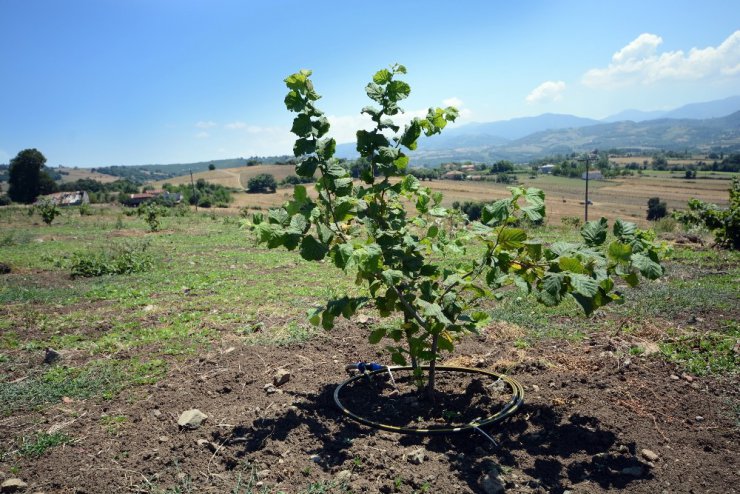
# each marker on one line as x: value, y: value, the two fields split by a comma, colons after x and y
x: 96, y: 371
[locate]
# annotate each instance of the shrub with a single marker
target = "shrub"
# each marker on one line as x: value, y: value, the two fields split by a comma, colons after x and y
x: 724, y: 223
x: 151, y: 213
x: 5, y: 200
x: 85, y: 210
x: 665, y: 225
x: 264, y: 182
x: 48, y: 211
x: 405, y: 261
x: 127, y: 258
x: 656, y: 209
x: 572, y: 221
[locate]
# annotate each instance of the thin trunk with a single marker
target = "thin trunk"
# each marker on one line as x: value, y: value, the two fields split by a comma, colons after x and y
x: 406, y: 319
x: 432, y: 368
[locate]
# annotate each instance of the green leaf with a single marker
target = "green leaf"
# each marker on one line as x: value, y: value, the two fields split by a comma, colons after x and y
x: 551, y: 291
x: 297, y: 81
x: 511, y: 238
x: 534, y: 250
x: 498, y: 212
x: 294, y: 101
x: 535, y: 196
x: 398, y: 359
x: 619, y: 252
x: 594, y: 232
x: 325, y: 234
x: 300, y: 195
x: 584, y: 285
x: 270, y: 234
x: 307, y: 167
x: 374, y: 92
x: 632, y: 279
x: 398, y: 90
x: 304, y: 146
x: 438, y: 212
x: 278, y: 216
x: 312, y: 249
x: 326, y: 147
x: 369, y: 258
x: 376, y: 335
x: 444, y: 342
x: 298, y: 225
x: 571, y: 264
x: 535, y: 214
x: 411, y: 134
x: 648, y: 268
x: 624, y: 229
x: 383, y: 76
x: 302, y: 126
x: 342, y: 255
x: 433, y: 310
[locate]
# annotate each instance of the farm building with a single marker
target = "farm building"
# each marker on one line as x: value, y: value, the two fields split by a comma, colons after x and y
x: 453, y: 175
x: 546, y: 168
x: 74, y: 198
x: 136, y: 199
x: 594, y: 175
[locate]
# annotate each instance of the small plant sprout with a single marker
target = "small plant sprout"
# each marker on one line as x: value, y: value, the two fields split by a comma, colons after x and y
x: 395, y: 237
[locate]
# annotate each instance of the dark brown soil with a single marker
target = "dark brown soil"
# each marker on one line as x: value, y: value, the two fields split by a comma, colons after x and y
x: 588, y: 415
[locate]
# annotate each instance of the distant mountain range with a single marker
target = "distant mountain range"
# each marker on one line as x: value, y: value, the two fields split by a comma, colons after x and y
x: 697, y: 126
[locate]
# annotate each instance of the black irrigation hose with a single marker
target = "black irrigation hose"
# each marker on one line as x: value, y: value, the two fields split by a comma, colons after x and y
x: 517, y: 398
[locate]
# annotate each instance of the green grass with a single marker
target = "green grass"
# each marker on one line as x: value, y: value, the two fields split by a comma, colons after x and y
x: 706, y: 353
x: 101, y: 378
x: 40, y: 443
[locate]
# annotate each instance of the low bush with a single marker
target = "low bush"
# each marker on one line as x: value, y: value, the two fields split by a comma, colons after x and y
x: 130, y: 257
x: 572, y: 221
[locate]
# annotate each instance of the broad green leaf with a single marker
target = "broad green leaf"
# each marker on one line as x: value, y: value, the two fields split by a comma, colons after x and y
x: 398, y: 90
x: 297, y: 81
x: 438, y: 212
x: 326, y: 147
x: 307, y: 167
x: 632, y: 279
x: 571, y: 264
x: 411, y: 134
x: 342, y: 255
x: 620, y: 252
x: 444, y: 342
x: 511, y: 238
x: 584, y: 285
x: 648, y: 268
x: 551, y: 289
x: 270, y: 234
x: 325, y: 234
x: 398, y: 359
x: 312, y: 249
x: 535, y: 196
x: 535, y: 214
x: 624, y: 229
x: 594, y: 232
x: 534, y: 250
x: 383, y: 76
x: 433, y: 310
x: 299, y: 194
x: 294, y: 102
x: 498, y: 212
x: 374, y: 92
x: 376, y: 335
x: 304, y: 146
x: 278, y: 216
x: 298, y: 225
x: 302, y: 125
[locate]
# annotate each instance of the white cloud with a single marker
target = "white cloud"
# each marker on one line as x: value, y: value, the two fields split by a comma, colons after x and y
x: 454, y: 101
x: 202, y: 135
x: 546, y: 92
x: 235, y: 125
x: 641, y: 62
x: 205, y: 124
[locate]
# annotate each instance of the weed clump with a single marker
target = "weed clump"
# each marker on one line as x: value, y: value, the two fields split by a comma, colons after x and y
x: 128, y: 258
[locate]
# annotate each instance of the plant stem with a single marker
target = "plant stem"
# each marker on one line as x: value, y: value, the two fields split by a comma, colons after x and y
x: 432, y: 368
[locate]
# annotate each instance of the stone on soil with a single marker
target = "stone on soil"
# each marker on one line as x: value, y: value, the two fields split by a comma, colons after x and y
x: 416, y: 457
x: 281, y: 377
x: 13, y: 485
x: 491, y: 483
x: 191, y: 419
x: 343, y: 476
x: 649, y: 455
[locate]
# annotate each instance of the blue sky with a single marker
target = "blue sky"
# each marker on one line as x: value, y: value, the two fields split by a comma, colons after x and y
x: 126, y: 82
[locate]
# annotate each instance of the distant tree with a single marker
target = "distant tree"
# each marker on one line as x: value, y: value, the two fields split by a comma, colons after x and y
x: 264, y: 182
x: 25, y: 176
x: 211, y: 167
x: 690, y: 173
x: 659, y: 163
x: 656, y: 209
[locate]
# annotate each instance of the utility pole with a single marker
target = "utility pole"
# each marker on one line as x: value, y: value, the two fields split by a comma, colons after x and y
x: 195, y: 196
x: 595, y: 155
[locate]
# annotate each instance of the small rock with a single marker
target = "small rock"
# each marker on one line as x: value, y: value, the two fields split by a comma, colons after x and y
x: 163, y: 439
x: 649, y: 455
x: 149, y: 308
x: 13, y: 485
x: 228, y: 350
x: 687, y: 377
x: 416, y: 457
x: 315, y: 458
x: 362, y: 319
x: 263, y: 474
x: 156, y: 414
x: 281, y: 377
x: 535, y: 388
x: 205, y: 443
x: 675, y: 377
x: 51, y: 356
x: 632, y: 471
x: 623, y: 449
x: 191, y: 419
x: 343, y: 476
x: 492, y: 483
x: 270, y: 389
x: 699, y: 418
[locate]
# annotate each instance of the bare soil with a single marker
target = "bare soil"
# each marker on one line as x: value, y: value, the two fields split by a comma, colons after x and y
x: 590, y: 411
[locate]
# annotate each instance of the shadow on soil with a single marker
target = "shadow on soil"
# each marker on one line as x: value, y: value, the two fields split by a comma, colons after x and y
x: 558, y: 451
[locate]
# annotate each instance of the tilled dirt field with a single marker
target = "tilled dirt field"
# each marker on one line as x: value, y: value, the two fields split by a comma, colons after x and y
x: 595, y: 419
